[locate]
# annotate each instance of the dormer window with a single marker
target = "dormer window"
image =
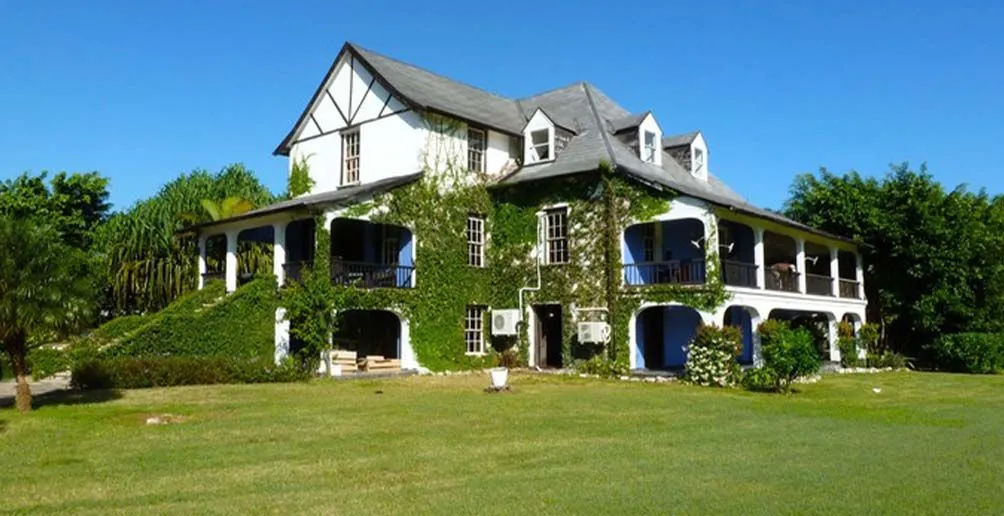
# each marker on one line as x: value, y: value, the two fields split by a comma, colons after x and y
x: 698, y: 161
x: 650, y: 147
x: 540, y: 145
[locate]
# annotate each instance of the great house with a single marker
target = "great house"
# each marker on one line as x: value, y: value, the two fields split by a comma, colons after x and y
x: 560, y: 223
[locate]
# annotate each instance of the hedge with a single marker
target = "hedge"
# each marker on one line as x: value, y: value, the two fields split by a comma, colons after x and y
x: 208, y: 323
x: 136, y: 373
x: 981, y: 353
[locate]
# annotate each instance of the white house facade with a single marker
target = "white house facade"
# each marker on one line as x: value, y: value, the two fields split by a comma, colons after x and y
x: 373, y: 126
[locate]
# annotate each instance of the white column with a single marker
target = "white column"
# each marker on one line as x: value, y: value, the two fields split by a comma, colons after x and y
x: 202, y: 261
x: 281, y: 335
x: 835, y: 271
x: 279, y: 252
x: 832, y: 334
x: 761, y: 267
x: 231, y: 270
x: 800, y: 263
x: 860, y: 273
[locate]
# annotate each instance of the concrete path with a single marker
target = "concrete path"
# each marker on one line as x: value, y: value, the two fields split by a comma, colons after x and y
x: 38, y: 388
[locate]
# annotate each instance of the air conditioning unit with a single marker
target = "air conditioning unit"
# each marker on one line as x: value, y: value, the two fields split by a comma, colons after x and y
x: 505, y: 321
x: 596, y: 332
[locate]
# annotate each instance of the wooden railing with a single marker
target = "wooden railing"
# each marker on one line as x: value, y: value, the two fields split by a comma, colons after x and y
x: 682, y: 272
x: 849, y: 289
x: 739, y: 274
x: 371, y: 275
x: 818, y: 285
x: 784, y: 281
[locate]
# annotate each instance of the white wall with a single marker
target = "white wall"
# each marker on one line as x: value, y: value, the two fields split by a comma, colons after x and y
x: 648, y: 124
x: 497, y: 155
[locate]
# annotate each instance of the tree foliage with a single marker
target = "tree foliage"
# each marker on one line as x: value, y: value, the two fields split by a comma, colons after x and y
x: 933, y: 257
x: 74, y: 204
x: 45, y: 291
x: 148, y: 261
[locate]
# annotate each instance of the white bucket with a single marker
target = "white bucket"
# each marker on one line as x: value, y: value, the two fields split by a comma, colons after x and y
x: 500, y: 377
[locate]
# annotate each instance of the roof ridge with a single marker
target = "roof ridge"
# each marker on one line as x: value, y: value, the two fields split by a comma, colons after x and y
x: 430, y: 72
x: 552, y: 90
x: 599, y: 123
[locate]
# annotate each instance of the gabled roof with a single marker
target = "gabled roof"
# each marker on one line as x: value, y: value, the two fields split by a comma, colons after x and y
x: 680, y: 139
x: 628, y: 122
x: 423, y: 90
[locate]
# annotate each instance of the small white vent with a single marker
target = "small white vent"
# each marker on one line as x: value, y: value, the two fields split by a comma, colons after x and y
x: 505, y: 321
x: 595, y: 332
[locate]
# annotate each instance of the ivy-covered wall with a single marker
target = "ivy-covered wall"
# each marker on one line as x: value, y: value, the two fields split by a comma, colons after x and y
x: 436, y: 208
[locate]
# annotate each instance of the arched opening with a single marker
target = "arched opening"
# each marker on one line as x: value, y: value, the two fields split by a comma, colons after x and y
x: 821, y: 325
x: 780, y: 256
x: 817, y: 270
x: 369, y: 333
x: 746, y: 319
x: 300, y: 238
x: 736, y: 250
x: 254, y: 252
x: 665, y: 252
x: 370, y: 255
x: 662, y: 334
x: 216, y: 258
x: 847, y: 263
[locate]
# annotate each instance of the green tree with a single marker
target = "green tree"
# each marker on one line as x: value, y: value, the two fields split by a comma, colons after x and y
x: 75, y: 204
x: 932, y: 256
x: 149, y: 260
x: 45, y: 291
x: 230, y: 207
x: 299, y: 181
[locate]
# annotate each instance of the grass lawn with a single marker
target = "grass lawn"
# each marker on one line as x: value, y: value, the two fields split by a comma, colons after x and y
x: 927, y: 443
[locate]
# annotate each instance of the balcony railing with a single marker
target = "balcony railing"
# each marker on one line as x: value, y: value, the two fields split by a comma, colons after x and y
x: 849, y: 289
x: 371, y: 275
x: 681, y: 272
x: 214, y: 275
x: 785, y: 281
x: 294, y: 270
x: 739, y: 274
x: 818, y: 285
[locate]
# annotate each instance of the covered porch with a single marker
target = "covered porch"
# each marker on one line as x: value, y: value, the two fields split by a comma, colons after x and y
x: 661, y: 252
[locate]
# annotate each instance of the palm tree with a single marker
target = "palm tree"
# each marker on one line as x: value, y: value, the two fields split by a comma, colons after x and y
x: 46, y: 290
x: 230, y: 207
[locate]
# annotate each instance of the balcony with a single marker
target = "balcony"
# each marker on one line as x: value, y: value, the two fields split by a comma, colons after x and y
x: 739, y: 274
x: 818, y: 285
x: 676, y: 272
x: 849, y: 289
x: 371, y: 275
x: 782, y: 281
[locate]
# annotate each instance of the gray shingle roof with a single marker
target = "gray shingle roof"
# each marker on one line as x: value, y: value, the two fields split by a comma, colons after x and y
x: 340, y: 197
x: 679, y: 139
x: 581, y: 107
x: 439, y: 93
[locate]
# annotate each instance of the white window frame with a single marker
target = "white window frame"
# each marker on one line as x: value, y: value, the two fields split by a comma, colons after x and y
x: 533, y: 156
x: 698, y: 164
x: 476, y: 241
x: 648, y: 243
x: 390, y: 247
x: 476, y: 155
x: 649, y: 149
x: 351, y: 140
x: 556, y: 239
x: 474, y: 330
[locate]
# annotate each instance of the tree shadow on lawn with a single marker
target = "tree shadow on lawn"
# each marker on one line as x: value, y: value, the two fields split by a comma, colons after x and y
x: 64, y: 397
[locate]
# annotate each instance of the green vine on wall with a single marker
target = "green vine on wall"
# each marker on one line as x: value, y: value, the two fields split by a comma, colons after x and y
x: 601, y: 204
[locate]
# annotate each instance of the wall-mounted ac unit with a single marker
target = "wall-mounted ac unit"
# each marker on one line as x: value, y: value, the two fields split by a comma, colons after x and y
x: 505, y: 321
x: 596, y: 332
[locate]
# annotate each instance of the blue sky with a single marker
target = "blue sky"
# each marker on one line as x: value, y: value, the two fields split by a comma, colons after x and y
x: 142, y: 91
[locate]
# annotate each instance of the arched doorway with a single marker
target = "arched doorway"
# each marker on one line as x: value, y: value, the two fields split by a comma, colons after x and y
x: 821, y: 325
x: 369, y: 333
x: 662, y: 334
x: 746, y: 319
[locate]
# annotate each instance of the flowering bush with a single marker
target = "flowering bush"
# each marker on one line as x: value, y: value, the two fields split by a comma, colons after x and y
x: 711, y: 359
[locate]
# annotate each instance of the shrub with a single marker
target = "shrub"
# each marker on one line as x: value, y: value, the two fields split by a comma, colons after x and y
x: 848, y: 351
x: 760, y: 379
x: 981, y: 353
x: 508, y: 358
x: 132, y: 373
x: 601, y: 366
x: 887, y: 359
x: 711, y: 359
x: 788, y: 353
x: 868, y: 335
x: 47, y: 361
